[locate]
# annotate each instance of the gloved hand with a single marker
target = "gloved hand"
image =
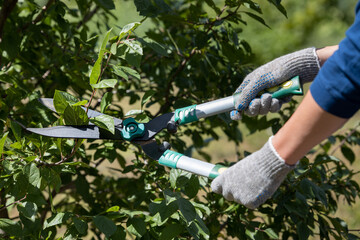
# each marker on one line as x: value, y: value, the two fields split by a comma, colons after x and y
x: 253, y: 179
x: 303, y: 63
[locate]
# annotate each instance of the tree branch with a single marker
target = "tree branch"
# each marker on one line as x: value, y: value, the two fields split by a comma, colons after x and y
x: 16, y: 202
x: 186, y: 60
x: 87, y: 17
x: 40, y: 16
x: 6, y: 9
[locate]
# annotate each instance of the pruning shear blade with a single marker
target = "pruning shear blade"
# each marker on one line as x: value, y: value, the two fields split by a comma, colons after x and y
x: 89, y: 132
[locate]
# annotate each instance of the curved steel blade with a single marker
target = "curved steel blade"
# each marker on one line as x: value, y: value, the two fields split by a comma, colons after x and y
x: 88, y: 132
x: 49, y: 103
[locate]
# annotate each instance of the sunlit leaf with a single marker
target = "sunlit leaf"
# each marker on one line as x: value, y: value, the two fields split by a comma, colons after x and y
x: 133, y: 112
x: 75, y: 115
x: 62, y: 100
x: 106, y: 101
x: 147, y: 96
x: 32, y: 172
x: 104, y: 121
x: 96, y: 70
x: 135, y: 46
x: 128, y: 28
x: 106, y: 83
x: 136, y: 226
x: 56, y: 219
x: 2, y: 142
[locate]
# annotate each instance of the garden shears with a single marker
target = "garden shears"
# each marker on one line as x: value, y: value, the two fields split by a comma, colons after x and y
x: 143, y: 133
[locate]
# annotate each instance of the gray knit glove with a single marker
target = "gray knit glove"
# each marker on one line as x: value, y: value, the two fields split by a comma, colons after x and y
x: 253, y: 179
x: 303, y: 63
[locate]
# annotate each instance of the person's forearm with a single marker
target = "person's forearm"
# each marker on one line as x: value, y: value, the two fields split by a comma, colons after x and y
x: 307, y: 127
x: 325, y: 52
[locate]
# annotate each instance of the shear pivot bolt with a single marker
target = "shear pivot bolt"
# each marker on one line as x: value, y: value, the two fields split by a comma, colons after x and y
x: 132, y: 129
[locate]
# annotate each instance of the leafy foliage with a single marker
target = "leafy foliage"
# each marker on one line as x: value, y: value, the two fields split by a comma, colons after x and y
x: 193, y: 52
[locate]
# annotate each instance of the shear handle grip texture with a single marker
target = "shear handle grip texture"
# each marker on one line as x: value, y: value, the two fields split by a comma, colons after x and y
x: 179, y: 161
x: 195, y: 112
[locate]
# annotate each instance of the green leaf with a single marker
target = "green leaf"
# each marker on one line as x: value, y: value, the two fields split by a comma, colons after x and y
x: 106, y: 101
x: 170, y: 196
x: 147, y: 96
x: 56, y: 219
x: 192, y: 186
x: 16, y: 129
x: 303, y: 230
x: 186, y: 209
x: 107, y: 4
x: 104, y: 121
x: 125, y: 72
x: 113, y: 209
x: 62, y: 100
x: 10, y: 227
x: 135, y: 46
x: 171, y: 231
x: 271, y: 233
x: 174, y: 174
x: 118, y: 71
x: 105, y: 225
x: 106, y: 83
x: 2, y: 142
x: 280, y: 7
x: 81, y: 103
x: 136, y: 226
x: 257, y: 18
x: 157, y: 47
x: 32, y: 172
x: 103, y: 44
x: 127, y: 29
x: 96, y: 70
x: 113, y: 48
x: 28, y: 210
x: 51, y: 177
x: 133, y: 112
x: 80, y: 225
x: 75, y: 116
x: 161, y: 211
x: 348, y: 153
x: 133, y: 58
x: 120, y: 234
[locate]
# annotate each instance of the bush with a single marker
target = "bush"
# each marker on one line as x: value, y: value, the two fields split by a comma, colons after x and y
x: 193, y: 51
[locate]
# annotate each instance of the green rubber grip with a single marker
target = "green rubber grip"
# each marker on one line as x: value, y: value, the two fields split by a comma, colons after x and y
x: 170, y: 158
x: 216, y: 171
x: 291, y: 87
x: 186, y: 115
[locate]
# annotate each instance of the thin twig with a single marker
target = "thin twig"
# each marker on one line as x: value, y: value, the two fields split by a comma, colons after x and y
x: 40, y: 16
x: 101, y: 73
x: 16, y: 202
x: 87, y: 17
x: 187, y: 59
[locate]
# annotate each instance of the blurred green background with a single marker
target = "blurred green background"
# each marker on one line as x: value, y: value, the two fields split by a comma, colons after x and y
x: 308, y: 23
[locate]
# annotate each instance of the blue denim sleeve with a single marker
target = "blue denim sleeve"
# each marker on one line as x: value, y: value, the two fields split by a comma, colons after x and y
x: 337, y: 86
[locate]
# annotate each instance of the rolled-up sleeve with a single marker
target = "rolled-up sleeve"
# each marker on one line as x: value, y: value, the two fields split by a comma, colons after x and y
x: 337, y: 86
